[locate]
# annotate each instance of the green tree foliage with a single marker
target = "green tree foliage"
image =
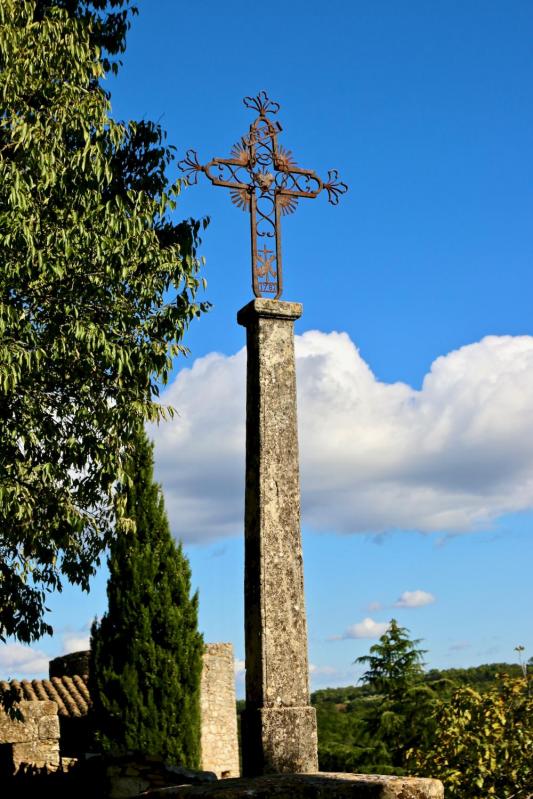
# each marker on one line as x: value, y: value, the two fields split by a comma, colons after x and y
x: 483, y: 678
x: 369, y: 728
x: 398, y: 715
x: 475, y: 731
x: 394, y: 664
x: 146, y: 653
x: 97, y: 286
x: 106, y: 20
x: 345, y: 740
x: 483, y: 743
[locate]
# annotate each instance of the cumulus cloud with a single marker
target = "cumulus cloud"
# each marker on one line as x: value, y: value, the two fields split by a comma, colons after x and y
x: 368, y: 628
x: 375, y: 457
x: 75, y: 642
x: 322, y: 676
x: 16, y: 659
x: 239, y: 667
x: 414, y: 599
x: 325, y: 671
x: 200, y: 453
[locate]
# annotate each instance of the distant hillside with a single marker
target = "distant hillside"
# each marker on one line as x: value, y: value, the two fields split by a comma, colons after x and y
x: 441, y: 680
x: 482, y: 678
x: 346, y: 739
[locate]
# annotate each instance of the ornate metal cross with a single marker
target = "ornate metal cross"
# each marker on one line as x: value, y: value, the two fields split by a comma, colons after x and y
x: 265, y: 180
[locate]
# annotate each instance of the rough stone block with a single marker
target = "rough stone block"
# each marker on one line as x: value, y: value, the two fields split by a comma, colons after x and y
x: 14, y: 731
x: 220, y: 747
x: 37, y: 753
x: 49, y: 727
x: 38, y: 709
x: 124, y: 787
x: 280, y: 740
x: 310, y: 786
x: 33, y: 713
x: 69, y: 665
x: 35, y: 739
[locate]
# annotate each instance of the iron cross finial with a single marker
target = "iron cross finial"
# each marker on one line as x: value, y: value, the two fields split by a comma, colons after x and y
x: 265, y: 180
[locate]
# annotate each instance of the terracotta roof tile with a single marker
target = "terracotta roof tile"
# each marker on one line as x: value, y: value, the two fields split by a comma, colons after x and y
x: 81, y: 685
x: 70, y: 693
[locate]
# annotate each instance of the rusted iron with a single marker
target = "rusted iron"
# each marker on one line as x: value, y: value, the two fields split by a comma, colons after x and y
x: 264, y: 179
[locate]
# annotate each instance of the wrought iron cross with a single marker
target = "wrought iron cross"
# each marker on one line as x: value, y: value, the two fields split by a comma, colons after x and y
x: 264, y: 179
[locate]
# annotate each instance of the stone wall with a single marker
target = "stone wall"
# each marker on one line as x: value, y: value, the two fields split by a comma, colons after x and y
x: 220, y: 749
x: 70, y: 665
x: 34, y: 739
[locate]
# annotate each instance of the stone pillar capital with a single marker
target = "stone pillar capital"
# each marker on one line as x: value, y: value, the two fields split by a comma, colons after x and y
x: 262, y: 308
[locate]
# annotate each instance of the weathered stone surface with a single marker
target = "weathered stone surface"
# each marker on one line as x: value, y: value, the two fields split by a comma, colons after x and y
x: 38, y: 753
x: 311, y: 786
x: 219, y: 741
x: 34, y: 739
x: 70, y: 665
x: 287, y: 736
x: 134, y: 773
x: 123, y: 787
x: 277, y: 672
x: 49, y: 727
x: 15, y: 731
x: 34, y: 715
x: 186, y: 775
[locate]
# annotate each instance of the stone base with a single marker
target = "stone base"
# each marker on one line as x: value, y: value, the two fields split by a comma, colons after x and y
x: 310, y: 786
x: 279, y: 741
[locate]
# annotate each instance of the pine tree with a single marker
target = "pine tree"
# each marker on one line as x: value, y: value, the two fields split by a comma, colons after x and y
x: 146, y: 653
x: 394, y: 664
x: 400, y: 714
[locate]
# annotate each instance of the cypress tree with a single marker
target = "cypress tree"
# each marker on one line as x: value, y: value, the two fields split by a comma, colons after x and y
x: 146, y: 653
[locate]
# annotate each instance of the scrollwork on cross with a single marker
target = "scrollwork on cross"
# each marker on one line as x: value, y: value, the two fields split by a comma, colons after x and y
x: 265, y: 180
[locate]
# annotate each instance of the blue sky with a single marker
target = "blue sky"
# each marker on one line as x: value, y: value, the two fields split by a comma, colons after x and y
x: 417, y: 482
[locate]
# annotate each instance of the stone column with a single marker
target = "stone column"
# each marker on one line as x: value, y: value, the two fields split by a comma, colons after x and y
x: 279, y: 726
x: 219, y: 741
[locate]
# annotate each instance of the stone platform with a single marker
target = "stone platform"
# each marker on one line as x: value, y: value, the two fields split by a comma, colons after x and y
x: 308, y: 786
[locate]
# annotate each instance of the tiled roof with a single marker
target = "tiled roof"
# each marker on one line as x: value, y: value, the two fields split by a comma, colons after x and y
x: 70, y: 693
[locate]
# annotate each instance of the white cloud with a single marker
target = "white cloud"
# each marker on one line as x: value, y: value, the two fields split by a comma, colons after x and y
x: 368, y: 628
x: 239, y: 669
x: 16, y: 659
x: 75, y: 642
x: 325, y: 676
x: 374, y: 456
x: 325, y: 671
x: 414, y: 599
x: 200, y: 453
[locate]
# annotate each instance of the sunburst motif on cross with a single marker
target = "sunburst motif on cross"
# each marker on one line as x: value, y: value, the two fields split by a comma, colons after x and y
x: 240, y: 153
x: 287, y: 204
x: 283, y: 159
x: 240, y: 198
